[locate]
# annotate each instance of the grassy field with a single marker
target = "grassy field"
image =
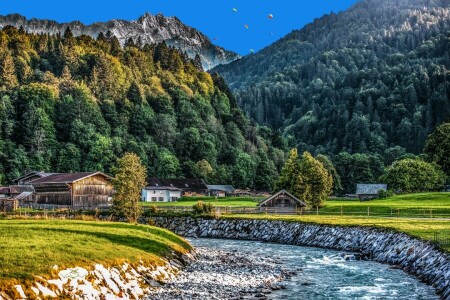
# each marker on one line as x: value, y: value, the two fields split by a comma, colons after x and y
x: 423, y: 229
x: 421, y: 205
x: 226, y: 201
x: 33, y: 247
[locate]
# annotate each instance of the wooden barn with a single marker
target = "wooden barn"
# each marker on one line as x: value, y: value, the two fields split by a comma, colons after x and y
x: 74, y: 189
x: 282, y: 202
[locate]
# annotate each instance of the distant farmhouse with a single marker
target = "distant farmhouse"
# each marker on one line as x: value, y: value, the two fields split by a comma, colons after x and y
x: 220, y: 190
x: 161, y: 194
x: 188, y: 187
x: 369, y: 191
x: 85, y: 189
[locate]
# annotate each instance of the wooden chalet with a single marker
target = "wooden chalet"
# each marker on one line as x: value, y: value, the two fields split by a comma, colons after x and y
x: 189, y: 187
x: 283, y: 202
x: 88, y: 189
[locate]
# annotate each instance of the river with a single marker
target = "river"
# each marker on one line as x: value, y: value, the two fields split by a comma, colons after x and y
x: 230, y: 269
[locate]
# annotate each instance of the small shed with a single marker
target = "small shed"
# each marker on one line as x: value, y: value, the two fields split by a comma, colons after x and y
x: 23, y: 193
x: 369, y: 191
x: 220, y: 190
x: 4, y: 192
x: 85, y: 189
x: 161, y: 194
x: 8, y: 204
x: 282, y: 199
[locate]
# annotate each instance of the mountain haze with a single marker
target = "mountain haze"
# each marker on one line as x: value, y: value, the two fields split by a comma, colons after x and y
x: 149, y: 29
x: 373, y: 77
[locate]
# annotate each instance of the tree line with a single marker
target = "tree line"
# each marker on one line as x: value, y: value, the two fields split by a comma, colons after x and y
x: 70, y: 104
x: 314, y: 179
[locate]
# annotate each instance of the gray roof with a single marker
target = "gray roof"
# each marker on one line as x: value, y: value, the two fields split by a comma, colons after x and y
x: 370, y: 189
x: 224, y: 188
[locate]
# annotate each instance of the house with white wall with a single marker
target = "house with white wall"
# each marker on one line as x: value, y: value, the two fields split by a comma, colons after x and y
x: 161, y: 194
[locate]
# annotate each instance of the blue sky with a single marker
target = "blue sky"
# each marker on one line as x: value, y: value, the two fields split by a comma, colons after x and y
x: 215, y: 18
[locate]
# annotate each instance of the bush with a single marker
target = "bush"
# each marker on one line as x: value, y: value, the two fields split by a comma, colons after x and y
x: 202, y: 208
x: 413, y: 175
x: 382, y: 194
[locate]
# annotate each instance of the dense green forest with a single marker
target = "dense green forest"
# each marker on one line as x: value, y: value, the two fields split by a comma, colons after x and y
x: 77, y: 104
x: 364, y: 86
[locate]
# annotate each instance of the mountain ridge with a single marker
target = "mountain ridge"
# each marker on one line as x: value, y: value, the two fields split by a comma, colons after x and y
x: 372, y: 77
x: 149, y: 28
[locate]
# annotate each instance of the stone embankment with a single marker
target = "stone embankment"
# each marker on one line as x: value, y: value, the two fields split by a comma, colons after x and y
x: 414, y: 256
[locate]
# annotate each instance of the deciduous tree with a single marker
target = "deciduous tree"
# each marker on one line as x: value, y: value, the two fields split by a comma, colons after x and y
x: 128, y: 181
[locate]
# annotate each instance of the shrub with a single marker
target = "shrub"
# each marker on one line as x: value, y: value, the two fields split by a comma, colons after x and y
x: 202, y: 208
x: 382, y: 194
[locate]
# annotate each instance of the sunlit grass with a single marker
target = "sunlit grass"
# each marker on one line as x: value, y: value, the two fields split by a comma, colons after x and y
x: 29, y: 248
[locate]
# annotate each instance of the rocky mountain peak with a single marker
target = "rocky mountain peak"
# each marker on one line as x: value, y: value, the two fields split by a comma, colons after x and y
x: 149, y: 28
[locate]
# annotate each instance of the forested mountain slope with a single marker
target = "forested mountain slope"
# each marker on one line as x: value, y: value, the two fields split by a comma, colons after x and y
x: 76, y: 104
x: 361, y: 81
x: 148, y: 29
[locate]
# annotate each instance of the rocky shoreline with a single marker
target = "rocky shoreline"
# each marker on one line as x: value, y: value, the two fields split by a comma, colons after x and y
x: 421, y: 259
x: 217, y: 274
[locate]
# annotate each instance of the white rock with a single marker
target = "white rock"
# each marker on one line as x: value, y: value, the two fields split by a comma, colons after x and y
x: 46, y: 292
x: 19, y: 289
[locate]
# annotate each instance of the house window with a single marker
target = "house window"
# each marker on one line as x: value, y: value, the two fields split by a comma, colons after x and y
x: 161, y: 199
x: 154, y: 199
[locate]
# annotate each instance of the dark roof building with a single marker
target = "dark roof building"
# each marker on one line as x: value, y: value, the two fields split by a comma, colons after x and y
x: 188, y: 186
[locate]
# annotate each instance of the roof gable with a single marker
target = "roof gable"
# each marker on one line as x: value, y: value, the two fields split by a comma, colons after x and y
x: 370, y: 189
x: 285, y: 193
x: 28, y: 175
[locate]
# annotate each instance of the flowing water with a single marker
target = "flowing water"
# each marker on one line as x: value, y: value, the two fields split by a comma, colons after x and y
x: 326, y: 274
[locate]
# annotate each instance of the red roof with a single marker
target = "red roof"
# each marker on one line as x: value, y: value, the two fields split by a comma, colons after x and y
x: 65, y: 177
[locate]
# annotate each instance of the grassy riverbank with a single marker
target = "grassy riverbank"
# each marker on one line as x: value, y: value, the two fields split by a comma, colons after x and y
x: 32, y: 247
x: 423, y: 229
x: 424, y: 204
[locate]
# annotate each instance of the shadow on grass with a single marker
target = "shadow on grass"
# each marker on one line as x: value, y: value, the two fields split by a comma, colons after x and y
x: 161, y: 232
x: 147, y: 245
